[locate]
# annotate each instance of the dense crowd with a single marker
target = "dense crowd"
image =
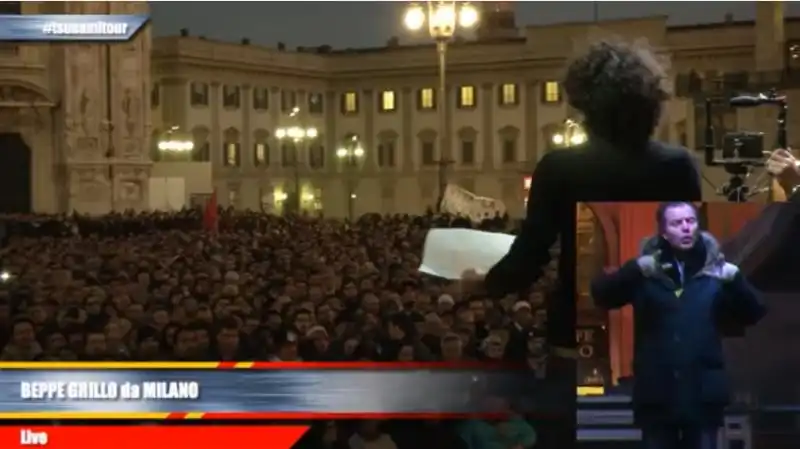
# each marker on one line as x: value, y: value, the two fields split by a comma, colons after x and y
x: 159, y: 286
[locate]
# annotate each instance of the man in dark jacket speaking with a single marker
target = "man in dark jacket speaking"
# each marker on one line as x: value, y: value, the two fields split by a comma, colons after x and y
x: 683, y: 295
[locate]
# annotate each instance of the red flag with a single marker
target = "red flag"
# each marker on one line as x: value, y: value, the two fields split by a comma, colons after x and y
x: 211, y: 214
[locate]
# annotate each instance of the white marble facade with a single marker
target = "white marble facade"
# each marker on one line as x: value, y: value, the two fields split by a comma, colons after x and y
x: 57, y: 97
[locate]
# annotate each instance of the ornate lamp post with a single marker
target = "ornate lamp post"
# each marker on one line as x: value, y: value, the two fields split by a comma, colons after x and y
x: 443, y: 18
x: 298, y: 136
x: 572, y: 134
x: 350, y: 153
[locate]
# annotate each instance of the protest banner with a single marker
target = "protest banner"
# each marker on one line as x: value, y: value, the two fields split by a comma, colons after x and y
x: 462, y: 202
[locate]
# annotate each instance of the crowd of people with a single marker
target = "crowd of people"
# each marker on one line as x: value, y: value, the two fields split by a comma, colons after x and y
x: 159, y: 286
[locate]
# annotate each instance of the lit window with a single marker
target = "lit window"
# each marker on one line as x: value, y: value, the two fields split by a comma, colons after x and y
x: 466, y: 97
x: 508, y: 94
x: 232, y: 154
x: 427, y: 98
x: 261, y: 154
x: 551, y: 92
x: 350, y: 103
x: 388, y: 101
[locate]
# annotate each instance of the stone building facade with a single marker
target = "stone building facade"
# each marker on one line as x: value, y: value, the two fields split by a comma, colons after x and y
x: 83, y: 112
x: 504, y: 103
x: 91, y: 130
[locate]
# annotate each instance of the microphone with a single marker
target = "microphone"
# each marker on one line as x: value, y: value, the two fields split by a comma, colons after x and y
x: 745, y: 101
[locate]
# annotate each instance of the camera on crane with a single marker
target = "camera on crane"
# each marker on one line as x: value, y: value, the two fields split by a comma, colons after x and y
x: 743, y: 151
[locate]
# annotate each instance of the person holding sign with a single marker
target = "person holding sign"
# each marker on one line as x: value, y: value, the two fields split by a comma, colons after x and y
x: 683, y: 294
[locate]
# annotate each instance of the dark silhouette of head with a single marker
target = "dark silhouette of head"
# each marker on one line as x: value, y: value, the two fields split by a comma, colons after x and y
x: 620, y: 89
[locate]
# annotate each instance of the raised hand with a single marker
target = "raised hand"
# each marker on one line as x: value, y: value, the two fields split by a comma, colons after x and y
x: 782, y: 165
x: 724, y: 271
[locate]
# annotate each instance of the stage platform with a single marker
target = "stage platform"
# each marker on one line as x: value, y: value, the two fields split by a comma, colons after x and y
x: 607, y: 422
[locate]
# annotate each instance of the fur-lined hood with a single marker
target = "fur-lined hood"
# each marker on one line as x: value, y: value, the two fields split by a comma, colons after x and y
x: 713, y: 252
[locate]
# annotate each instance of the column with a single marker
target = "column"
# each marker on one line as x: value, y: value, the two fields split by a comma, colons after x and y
x: 530, y: 102
x: 302, y: 149
x: 407, y: 141
x: 636, y: 222
x: 488, y: 134
x: 332, y: 203
x: 370, y: 147
x: 275, y: 121
x: 216, y: 132
x: 606, y: 214
x: 448, y: 102
x: 248, y: 158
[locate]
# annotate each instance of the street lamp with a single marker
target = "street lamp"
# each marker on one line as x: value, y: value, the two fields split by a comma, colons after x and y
x: 172, y: 142
x: 350, y: 153
x: 444, y: 18
x: 298, y: 135
x: 571, y: 135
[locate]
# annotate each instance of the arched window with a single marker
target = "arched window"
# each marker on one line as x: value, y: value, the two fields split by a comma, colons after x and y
x: 231, y: 149
x: 261, y: 148
x: 202, y: 148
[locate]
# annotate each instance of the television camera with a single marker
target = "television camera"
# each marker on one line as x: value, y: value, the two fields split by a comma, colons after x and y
x: 743, y: 151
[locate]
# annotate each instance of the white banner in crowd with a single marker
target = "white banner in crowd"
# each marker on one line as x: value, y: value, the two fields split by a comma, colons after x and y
x: 460, y: 201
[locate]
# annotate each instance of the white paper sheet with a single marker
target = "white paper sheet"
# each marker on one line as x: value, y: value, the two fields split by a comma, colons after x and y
x: 449, y: 252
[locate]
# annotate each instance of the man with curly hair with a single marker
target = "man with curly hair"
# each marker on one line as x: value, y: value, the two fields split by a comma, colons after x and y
x: 620, y: 90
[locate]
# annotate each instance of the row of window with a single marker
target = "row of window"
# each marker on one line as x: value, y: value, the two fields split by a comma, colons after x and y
x: 386, y: 154
x: 231, y: 156
x: 388, y: 101
x: 232, y: 98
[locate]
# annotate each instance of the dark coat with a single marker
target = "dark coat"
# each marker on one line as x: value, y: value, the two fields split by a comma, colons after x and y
x: 679, y: 366
x: 593, y: 172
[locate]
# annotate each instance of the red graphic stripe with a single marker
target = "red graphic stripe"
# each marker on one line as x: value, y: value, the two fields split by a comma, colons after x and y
x: 375, y: 366
x: 297, y: 416
x: 152, y: 437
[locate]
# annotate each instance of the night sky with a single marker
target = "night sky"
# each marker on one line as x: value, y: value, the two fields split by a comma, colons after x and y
x: 370, y: 24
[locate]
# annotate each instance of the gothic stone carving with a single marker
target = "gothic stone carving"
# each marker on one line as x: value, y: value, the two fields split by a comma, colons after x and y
x: 131, y: 107
x: 19, y: 94
x: 130, y: 191
x: 84, y: 80
x: 132, y: 182
x: 24, y: 110
x: 85, y: 149
x: 89, y: 184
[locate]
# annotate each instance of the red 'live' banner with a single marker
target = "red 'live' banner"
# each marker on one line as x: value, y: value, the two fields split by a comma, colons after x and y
x: 152, y: 437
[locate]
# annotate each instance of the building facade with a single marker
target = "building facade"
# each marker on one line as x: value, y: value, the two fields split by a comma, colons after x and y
x: 74, y: 118
x: 89, y: 115
x: 504, y: 103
